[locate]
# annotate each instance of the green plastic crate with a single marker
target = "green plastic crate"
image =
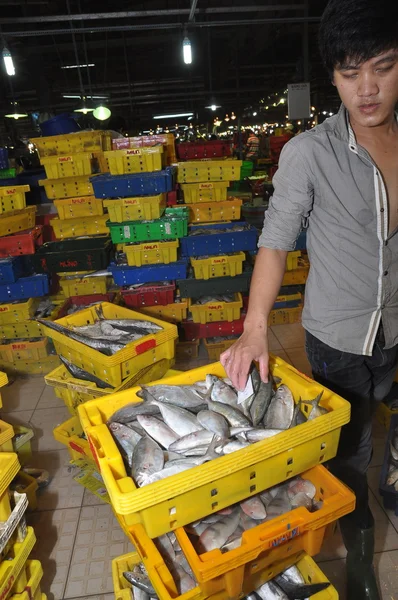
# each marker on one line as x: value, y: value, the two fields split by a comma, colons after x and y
x: 8, y: 173
x: 148, y: 231
x: 177, y: 211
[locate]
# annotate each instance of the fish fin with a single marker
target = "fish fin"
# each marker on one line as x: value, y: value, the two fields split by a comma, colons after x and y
x: 99, y: 311
x: 211, y: 451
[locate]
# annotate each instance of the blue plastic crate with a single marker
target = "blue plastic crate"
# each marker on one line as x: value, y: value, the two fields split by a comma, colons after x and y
x: 123, y: 275
x: 140, y: 184
x: 287, y: 304
x: 11, y: 269
x: 219, y: 243
x: 4, y: 158
x: 390, y: 496
x: 25, y: 287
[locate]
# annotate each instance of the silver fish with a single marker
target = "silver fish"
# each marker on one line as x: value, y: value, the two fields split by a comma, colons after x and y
x: 278, y: 506
x: 222, y: 392
x: 147, y: 459
x: 129, y: 323
x: 126, y: 439
x: 254, y: 508
x: 105, y: 346
x: 192, y: 440
x: 140, y: 581
x: 301, y: 499
x: 217, y: 534
x: 293, y: 575
x: 213, y: 422
x: 183, y: 580
x: 79, y: 373
x: 128, y: 413
x: 158, y: 430
x: 261, y: 401
x: 234, y: 446
x: 166, y: 548
x: 256, y: 435
x: 169, y: 472
x: 297, y: 484
x: 177, y: 395
x: 316, y: 410
x: 270, y: 591
x: 234, y: 417
x: 280, y: 411
x: 179, y: 419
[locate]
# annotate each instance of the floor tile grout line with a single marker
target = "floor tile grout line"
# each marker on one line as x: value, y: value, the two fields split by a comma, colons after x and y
x: 42, y: 392
x: 71, y: 555
x: 379, y: 502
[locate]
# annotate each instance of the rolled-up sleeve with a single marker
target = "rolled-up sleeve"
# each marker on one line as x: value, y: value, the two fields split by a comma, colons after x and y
x: 292, y: 201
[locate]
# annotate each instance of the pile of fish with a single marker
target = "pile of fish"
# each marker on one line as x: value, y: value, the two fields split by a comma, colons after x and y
x: 218, y: 298
x: 289, y: 585
x: 106, y: 335
x: 392, y: 477
x: 224, y: 529
x: 176, y: 428
x: 45, y: 308
x: 202, y: 231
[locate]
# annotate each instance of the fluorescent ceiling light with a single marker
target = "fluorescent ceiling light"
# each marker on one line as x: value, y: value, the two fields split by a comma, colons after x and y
x: 187, y: 51
x: 78, y: 66
x: 8, y: 62
x: 79, y: 96
x: 188, y: 114
x: 18, y: 113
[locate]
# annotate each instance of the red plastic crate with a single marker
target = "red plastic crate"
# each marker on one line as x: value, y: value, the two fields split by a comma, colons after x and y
x: 45, y: 222
x: 196, y: 331
x: 197, y: 150
x: 24, y: 242
x: 149, y: 295
x: 91, y: 298
x: 171, y: 198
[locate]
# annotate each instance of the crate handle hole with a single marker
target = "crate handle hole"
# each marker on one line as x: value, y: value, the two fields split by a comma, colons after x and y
x: 288, y: 473
x: 254, y: 566
x: 173, y: 524
x: 290, y: 460
x: 321, y: 491
x: 214, y: 505
x: 323, y: 446
x: 214, y: 492
x: 252, y: 475
x: 252, y: 488
x: 172, y: 511
x: 321, y: 458
x: 309, y: 579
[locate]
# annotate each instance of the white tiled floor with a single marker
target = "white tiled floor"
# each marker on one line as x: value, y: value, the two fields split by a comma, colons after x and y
x: 78, y: 535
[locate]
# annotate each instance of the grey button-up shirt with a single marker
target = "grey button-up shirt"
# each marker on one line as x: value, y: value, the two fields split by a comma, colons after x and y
x: 330, y: 184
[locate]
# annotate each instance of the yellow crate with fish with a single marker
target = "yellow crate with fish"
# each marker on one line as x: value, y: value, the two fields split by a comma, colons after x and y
x: 112, y: 361
x: 24, y: 349
x: 74, y: 391
x: 67, y: 187
x: 9, y: 467
x: 76, y: 208
x: 6, y: 435
x: 210, y: 212
x: 28, y: 328
x: 18, y: 311
x: 135, y: 160
x: 384, y: 414
x: 282, y: 316
x: 83, y: 285
x: 218, y: 266
x: 141, y: 208
x: 217, y: 484
x: 71, y: 165
x: 216, y: 346
x: 72, y: 143
x: 151, y: 253
x: 30, y: 367
x: 17, y: 556
x: 17, y: 220
x: 13, y: 197
x: 77, y: 227
x: 29, y: 581
x: 215, y: 191
x: 207, y: 171
x: 223, y: 308
x: 26, y: 484
x: 172, y: 313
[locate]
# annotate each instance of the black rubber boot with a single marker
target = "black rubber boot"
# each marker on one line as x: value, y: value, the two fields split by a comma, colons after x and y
x: 361, y: 578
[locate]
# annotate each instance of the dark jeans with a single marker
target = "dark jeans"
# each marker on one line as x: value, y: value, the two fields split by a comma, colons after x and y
x: 363, y: 381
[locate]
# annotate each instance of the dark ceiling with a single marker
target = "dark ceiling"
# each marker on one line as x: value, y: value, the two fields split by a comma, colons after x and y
x: 242, y: 52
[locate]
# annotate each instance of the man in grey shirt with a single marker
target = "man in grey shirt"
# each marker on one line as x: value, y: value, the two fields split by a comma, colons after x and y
x: 340, y: 180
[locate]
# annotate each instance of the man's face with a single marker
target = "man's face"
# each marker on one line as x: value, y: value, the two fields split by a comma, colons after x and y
x: 369, y: 90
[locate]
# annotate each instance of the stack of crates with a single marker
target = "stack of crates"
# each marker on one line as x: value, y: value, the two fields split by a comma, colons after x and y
x: 19, y: 576
x: 266, y: 549
x: 70, y: 161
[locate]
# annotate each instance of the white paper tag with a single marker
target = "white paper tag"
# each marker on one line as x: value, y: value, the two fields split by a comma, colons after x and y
x: 247, y: 392
x: 126, y: 232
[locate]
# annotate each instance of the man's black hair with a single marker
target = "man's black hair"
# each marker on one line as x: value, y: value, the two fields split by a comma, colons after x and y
x: 357, y: 30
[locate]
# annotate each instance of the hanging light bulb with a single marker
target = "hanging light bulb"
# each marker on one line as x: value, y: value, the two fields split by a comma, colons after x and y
x: 255, y: 114
x: 16, y: 113
x: 102, y: 113
x: 233, y: 116
x: 226, y: 118
x: 84, y: 108
x: 187, y: 50
x: 8, y: 62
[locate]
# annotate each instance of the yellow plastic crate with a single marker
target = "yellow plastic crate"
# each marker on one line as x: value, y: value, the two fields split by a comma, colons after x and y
x: 135, y: 160
x: 17, y: 312
x: 24, y: 329
x: 73, y: 392
x: 72, y: 165
x: 17, y: 220
x: 218, y: 266
x: 3, y: 379
x: 384, y: 414
x: 6, y: 435
x: 13, y: 197
x: 30, y: 367
x: 72, y: 143
x: 188, y: 496
x: 9, y: 467
x: 151, y: 253
x: 76, y: 208
x: 30, y: 581
x: 282, y: 316
x: 142, y: 208
x: 209, y: 212
x: 217, y: 311
x: 292, y: 261
x: 205, y: 192
x: 17, y: 556
x: 68, y: 187
x: 77, y: 227
x: 22, y: 444
x: 84, y: 286
x: 212, y: 170
x: 26, y: 484
x: 70, y: 434
x: 172, y: 313
x: 214, y: 349
x: 124, y: 363
x: 24, y: 350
